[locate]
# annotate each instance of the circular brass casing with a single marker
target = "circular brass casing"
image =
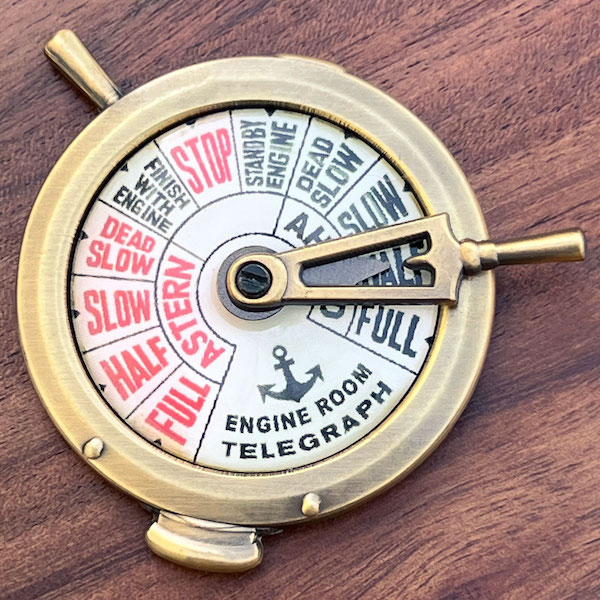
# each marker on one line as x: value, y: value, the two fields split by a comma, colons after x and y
x: 395, y: 447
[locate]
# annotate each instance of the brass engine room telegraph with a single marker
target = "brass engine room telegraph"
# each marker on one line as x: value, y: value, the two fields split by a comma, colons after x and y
x: 253, y: 292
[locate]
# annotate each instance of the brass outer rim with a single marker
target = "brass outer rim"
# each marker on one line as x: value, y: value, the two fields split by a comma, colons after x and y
x: 393, y: 449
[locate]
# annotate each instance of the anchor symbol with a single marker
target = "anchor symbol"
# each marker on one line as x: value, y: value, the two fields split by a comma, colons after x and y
x: 294, y: 390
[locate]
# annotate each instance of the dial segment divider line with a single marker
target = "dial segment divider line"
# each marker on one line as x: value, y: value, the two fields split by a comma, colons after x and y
x: 214, y: 406
x: 345, y: 337
x: 345, y: 194
x: 195, y: 286
x: 154, y: 390
x: 235, y: 151
x: 175, y: 172
x: 287, y: 191
x: 351, y: 320
x: 125, y: 337
x: 313, y: 209
x: 112, y: 277
x: 125, y: 214
x: 169, y: 240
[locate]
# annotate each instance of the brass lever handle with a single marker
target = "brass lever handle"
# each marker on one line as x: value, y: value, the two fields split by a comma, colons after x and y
x: 73, y: 60
x: 446, y: 257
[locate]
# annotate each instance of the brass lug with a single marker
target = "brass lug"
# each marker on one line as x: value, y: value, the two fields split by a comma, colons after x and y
x: 205, y: 545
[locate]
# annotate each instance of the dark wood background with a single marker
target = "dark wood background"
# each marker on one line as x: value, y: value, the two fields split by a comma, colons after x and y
x: 509, y: 506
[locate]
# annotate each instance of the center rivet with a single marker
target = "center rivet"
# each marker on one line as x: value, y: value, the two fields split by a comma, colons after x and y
x: 253, y: 280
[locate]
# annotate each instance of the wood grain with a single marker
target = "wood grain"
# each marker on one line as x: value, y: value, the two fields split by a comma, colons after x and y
x: 509, y: 506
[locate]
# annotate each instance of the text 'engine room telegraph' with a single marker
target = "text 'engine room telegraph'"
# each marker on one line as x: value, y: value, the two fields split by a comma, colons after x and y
x: 257, y: 302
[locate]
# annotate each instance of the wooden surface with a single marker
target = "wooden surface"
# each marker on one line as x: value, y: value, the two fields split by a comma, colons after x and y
x: 509, y: 506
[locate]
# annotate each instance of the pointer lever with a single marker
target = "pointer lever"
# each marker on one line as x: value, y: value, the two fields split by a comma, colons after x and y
x: 277, y: 278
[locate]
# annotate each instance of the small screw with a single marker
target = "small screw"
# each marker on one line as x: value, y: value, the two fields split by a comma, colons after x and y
x: 253, y: 280
x: 93, y: 448
x: 311, y: 505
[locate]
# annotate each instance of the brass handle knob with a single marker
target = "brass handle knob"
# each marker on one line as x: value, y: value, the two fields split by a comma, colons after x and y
x: 73, y: 60
x: 562, y: 246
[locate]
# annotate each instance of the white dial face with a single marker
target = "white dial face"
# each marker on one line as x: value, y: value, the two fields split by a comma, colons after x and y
x: 151, y: 328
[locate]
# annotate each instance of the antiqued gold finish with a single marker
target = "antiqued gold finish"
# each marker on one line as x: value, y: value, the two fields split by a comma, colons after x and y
x: 446, y: 257
x: 205, y: 545
x: 197, y: 504
x: 156, y: 478
x: 74, y: 61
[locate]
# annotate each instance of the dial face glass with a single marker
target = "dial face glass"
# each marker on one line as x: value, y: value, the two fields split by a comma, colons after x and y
x: 147, y: 309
